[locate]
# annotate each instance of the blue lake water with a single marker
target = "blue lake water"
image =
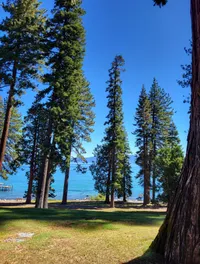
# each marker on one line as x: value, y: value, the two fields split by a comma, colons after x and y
x: 80, y: 185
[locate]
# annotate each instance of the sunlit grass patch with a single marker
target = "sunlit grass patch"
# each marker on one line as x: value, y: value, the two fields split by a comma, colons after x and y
x: 77, y: 236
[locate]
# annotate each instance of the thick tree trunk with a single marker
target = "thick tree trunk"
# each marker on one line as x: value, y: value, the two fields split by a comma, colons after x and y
x: 179, y: 237
x: 112, y: 202
x: 6, y: 125
x: 66, y: 180
x: 44, y: 169
x: 32, y: 165
x: 66, y: 185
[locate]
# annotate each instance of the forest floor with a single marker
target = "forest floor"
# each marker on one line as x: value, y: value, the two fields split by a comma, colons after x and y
x: 81, y: 232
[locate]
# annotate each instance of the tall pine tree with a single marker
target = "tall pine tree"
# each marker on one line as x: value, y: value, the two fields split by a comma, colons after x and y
x: 142, y: 132
x: 114, y: 125
x: 20, y: 52
x: 161, y: 114
x: 82, y: 129
x: 67, y: 89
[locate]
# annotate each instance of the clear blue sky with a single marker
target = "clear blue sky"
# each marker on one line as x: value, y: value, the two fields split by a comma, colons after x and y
x: 152, y: 42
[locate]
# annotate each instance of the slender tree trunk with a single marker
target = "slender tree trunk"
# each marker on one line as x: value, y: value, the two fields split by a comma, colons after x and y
x: 124, y: 189
x: 107, y: 201
x: 179, y: 237
x: 112, y: 202
x: 66, y: 181
x: 146, y: 176
x: 44, y: 169
x: 6, y: 125
x: 48, y: 182
x: 154, y: 176
x: 32, y: 165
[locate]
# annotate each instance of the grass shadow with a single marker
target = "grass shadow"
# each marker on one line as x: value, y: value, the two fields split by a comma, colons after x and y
x: 101, y: 205
x: 78, y: 218
x: 148, y: 258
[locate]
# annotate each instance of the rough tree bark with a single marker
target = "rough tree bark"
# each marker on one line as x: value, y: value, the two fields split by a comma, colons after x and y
x: 66, y: 180
x: 48, y: 182
x: 179, y: 237
x: 6, y: 125
x: 44, y: 169
x: 32, y: 165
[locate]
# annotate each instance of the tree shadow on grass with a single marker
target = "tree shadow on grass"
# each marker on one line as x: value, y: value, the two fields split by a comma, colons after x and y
x: 148, y: 258
x: 101, y: 205
x: 81, y: 218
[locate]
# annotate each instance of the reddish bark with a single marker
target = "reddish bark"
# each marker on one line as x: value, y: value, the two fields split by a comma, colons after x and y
x: 179, y: 237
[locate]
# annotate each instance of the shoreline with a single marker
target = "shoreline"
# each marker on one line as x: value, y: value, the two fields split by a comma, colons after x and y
x: 23, y: 200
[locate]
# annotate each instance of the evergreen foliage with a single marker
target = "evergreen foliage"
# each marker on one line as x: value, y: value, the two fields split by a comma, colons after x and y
x: 101, y: 170
x: 114, y: 135
x: 112, y: 170
x: 125, y: 189
x: 70, y: 101
x: 161, y: 114
x: 20, y: 52
x: 14, y: 137
x: 142, y: 132
x: 169, y: 161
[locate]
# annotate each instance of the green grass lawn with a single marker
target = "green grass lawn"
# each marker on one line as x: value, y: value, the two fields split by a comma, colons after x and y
x: 77, y: 235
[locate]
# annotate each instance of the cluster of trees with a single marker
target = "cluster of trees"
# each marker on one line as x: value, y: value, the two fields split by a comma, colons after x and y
x: 61, y: 117
x: 159, y: 154
x: 29, y: 41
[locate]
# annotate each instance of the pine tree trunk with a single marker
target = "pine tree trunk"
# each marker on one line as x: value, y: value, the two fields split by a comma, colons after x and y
x: 6, y: 125
x: 44, y: 169
x: 146, y: 176
x: 124, y: 187
x: 48, y: 182
x: 124, y: 190
x: 179, y: 237
x: 31, y: 176
x: 66, y: 185
x: 112, y: 202
x: 154, y: 176
x: 66, y: 181
x: 107, y: 201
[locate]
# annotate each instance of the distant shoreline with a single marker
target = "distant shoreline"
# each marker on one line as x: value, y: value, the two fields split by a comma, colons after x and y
x: 22, y: 200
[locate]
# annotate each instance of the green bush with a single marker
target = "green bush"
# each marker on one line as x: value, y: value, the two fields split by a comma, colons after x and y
x: 98, y: 197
